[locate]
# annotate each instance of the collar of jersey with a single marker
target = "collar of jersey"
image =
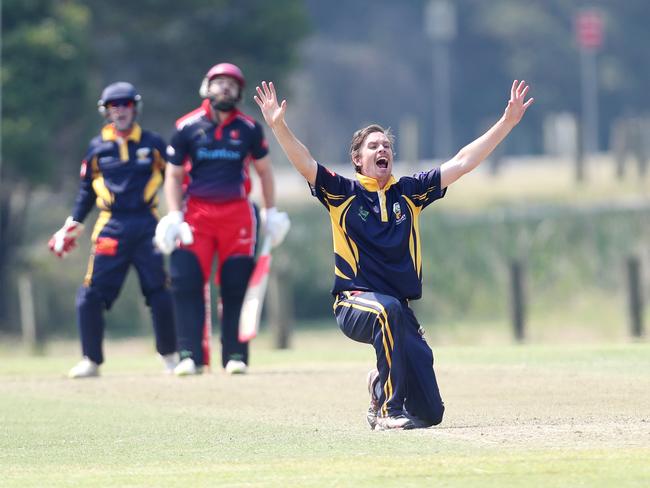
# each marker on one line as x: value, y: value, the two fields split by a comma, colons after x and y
x: 218, y: 131
x: 372, y: 184
x: 109, y: 133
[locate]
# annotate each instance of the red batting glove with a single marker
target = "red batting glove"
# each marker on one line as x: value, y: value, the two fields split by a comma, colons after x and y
x: 65, y: 239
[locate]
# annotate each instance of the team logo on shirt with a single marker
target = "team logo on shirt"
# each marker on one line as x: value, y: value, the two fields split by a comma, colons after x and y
x: 205, y: 153
x: 363, y: 213
x: 397, y: 210
x: 234, y: 137
x: 142, y: 155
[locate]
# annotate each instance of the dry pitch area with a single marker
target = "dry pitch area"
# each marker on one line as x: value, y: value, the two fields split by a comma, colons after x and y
x: 516, y: 415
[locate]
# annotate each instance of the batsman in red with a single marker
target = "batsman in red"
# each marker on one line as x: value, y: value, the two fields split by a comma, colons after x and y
x: 207, y: 186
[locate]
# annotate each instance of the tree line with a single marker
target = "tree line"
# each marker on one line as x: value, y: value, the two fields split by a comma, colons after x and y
x: 348, y: 62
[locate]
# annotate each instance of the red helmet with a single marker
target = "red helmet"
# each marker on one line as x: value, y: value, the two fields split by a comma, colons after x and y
x: 222, y: 69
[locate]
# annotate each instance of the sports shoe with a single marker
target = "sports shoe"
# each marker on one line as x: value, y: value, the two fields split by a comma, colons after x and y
x: 170, y: 361
x: 84, y: 369
x: 234, y: 366
x: 373, y: 409
x: 399, y: 422
x: 187, y: 367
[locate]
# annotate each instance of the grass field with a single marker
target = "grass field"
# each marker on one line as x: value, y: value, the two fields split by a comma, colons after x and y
x: 516, y: 415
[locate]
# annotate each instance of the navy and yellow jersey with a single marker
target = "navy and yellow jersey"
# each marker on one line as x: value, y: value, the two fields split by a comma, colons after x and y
x: 376, y: 231
x: 121, y: 175
x: 217, y: 155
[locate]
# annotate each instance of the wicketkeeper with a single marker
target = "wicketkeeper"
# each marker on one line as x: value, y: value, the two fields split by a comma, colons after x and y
x: 206, y: 187
x: 121, y: 174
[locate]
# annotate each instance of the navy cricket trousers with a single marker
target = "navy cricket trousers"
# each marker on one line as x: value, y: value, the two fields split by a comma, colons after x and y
x: 119, y: 241
x: 404, y: 359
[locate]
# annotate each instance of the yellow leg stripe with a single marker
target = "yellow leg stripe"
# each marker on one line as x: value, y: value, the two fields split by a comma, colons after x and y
x: 383, y: 319
x: 388, y: 386
x: 387, y: 348
x: 384, y: 407
x: 102, y: 220
x: 382, y: 310
x: 89, y: 272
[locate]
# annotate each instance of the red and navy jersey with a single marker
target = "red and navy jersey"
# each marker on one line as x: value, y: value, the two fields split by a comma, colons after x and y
x: 217, y: 155
x: 121, y: 175
x: 376, y: 231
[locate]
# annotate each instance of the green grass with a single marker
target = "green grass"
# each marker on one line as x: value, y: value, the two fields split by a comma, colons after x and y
x: 547, y: 415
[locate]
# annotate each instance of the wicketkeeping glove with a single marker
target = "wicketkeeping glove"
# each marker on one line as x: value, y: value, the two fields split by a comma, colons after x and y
x: 65, y: 239
x: 170, y: 230
x: 276, y: 224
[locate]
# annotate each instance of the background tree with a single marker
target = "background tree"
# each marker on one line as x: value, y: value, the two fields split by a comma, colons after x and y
x: 57, y: 57
x: 165, y: 47
x: 44, y: 90
x: 361, y: 62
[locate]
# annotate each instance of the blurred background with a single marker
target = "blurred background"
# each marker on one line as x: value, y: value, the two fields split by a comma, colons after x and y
x: 548, y: 241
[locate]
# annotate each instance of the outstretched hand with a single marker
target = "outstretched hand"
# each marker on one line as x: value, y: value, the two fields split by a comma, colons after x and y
x: 517, y: 104
x: 267, y: 100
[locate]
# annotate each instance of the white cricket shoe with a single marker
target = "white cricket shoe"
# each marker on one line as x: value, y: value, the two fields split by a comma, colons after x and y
x: 170, y: 361
x: 234, y: 366
x: 84, y: 369
x: 373, y: 408
x: 187, y: 367
x: 399, y: 422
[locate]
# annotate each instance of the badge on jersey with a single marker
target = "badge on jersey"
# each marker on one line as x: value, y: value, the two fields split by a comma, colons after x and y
x: 363, y: 213
x: 142, y: 155
x: 397, y: 210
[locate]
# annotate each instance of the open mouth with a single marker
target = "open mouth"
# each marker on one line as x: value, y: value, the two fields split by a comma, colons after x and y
x: 382, y: 163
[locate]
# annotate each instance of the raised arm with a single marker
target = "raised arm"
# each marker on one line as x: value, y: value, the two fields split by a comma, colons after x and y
x: 273, y: 114
x: 476, y: 151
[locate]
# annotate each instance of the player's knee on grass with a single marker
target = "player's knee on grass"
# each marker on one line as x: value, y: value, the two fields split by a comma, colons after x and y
x: 434, y: 417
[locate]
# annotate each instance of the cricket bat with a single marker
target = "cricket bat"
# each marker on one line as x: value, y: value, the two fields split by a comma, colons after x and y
x: 206, y: 343
x: 249, y: 320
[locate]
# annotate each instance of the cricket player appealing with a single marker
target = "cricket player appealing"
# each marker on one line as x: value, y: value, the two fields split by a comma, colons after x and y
x: 378, y: 253
x: 121, y: 174
x: 210, y: 152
